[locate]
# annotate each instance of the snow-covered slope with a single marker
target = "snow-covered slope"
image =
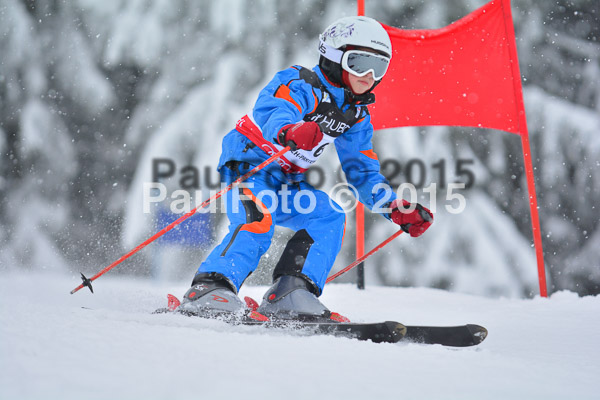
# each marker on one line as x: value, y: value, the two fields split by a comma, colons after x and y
x: 54, y: 345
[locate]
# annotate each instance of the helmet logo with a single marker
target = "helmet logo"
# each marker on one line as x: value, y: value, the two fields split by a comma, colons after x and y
x: 339, y: 30
x: 377, y: 42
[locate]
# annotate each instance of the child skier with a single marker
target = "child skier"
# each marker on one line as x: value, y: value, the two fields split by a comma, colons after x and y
x: 306, y: 110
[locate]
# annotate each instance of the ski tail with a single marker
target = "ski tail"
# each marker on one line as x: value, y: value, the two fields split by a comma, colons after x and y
x: 251, y: 303
x: 173, y: 302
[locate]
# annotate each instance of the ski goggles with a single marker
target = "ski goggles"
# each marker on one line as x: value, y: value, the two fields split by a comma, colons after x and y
x: 360, y: 63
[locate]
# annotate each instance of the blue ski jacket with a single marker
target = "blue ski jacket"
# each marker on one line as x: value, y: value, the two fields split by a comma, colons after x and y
x: 300, y: 94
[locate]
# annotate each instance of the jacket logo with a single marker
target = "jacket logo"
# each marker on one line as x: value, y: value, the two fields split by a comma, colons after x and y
x: 330, y: 125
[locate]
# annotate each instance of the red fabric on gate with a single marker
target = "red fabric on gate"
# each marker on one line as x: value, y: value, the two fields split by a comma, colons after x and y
x: 460, y: 75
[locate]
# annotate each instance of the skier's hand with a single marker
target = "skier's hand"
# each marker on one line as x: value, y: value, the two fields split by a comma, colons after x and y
x: 412, y: 218
x: 301, y: 135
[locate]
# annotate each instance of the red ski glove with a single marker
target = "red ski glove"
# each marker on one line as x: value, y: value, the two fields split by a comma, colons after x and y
x: 414, y: 222
x: 301, y: 135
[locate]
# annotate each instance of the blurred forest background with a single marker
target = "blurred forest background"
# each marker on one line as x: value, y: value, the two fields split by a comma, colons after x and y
x: 91, y: 92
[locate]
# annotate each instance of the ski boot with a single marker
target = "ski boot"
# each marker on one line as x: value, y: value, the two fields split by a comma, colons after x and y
x: 212, y: 295
x: 293, y: 298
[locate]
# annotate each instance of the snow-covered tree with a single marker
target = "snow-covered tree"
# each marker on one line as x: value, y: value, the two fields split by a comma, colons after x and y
x: 92, y: 92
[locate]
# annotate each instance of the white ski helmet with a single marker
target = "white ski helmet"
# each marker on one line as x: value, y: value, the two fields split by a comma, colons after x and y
x: 355, y: 31
x: 347, y: 33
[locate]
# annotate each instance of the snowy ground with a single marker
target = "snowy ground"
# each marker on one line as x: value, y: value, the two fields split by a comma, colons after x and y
x: 53, y: 348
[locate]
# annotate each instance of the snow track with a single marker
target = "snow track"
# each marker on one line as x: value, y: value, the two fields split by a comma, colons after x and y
x: 51, y: 347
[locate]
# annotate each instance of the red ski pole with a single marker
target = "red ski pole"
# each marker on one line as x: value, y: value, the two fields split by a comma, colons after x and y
x: 403, y: 228
x: 363, y: 258
x: 88, y: 282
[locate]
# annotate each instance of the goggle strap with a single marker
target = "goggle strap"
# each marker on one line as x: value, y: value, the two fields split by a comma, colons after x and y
x: 330, y: 53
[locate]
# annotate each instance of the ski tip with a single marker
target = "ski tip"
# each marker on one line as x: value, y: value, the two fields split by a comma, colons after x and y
x: 478, y: 332
x: 86, y: 282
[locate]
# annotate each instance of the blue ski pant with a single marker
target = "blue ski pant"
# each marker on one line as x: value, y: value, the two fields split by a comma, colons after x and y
x: 260, y: 203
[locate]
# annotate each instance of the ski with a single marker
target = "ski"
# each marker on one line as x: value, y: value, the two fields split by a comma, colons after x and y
x: 454, y: 336
x: 378, y: 332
